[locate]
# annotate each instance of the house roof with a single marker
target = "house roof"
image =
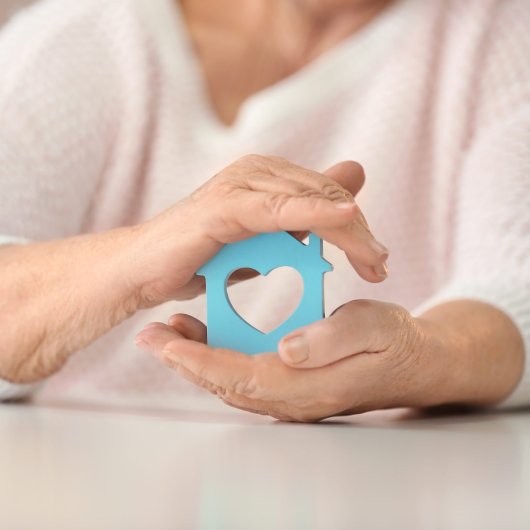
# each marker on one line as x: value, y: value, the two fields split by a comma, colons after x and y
x: 266, y: 252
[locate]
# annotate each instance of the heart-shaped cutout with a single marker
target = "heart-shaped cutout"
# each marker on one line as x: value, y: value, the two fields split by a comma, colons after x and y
x: 265, y: 302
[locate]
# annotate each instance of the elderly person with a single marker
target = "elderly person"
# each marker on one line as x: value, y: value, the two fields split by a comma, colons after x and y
x: 114, y: 116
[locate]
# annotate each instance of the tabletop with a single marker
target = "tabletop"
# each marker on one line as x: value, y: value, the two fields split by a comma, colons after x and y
x: 75, y: 469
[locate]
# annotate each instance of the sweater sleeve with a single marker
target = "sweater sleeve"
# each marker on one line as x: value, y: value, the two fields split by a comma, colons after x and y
x: 57, y: 113
x: 491, y: 246
x: 492, y: 238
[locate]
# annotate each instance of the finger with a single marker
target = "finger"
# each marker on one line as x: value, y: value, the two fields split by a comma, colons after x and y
x: 262, y: 377
x: 154, y: 337
x: 272, y: 212
x: 283, y: 177
x: 361, y: 326
x: 350, y: 175
x: 264, y: 408
x: 265, y: 385
x: 260, y: 382
x: 339, y: 222
x: 227, y: 395
x: 242, y: 275
x: 290, y: 398
x: 261, y: 181
x: 316, y: 202
x: 195, y: 287
x: 300, y: 235
x: 192, y: 378
x: 367, y: 255
x: 276, y: 174
x: 188, y: 326
x: 371, y: 274
x: 218, y: 370
x: 230, y: 370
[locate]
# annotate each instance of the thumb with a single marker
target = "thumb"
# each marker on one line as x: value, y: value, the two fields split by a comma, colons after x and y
x: 361, y: 326
x: 349, y: 174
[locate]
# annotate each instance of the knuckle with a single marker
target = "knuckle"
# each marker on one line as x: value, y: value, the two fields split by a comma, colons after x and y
x: 247, y: 386
x: 250, y: 384
x: 311, y: 193
x: 257, y: 384
x: 276, y: 205
x: 335, y: 192
x: 210, y: 387
x: 402, y: 322
x: 407, y: 340
x: 220, y: 391
x: 313, y: 201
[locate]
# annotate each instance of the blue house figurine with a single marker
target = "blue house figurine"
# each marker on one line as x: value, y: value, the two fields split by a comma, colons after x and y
x: 263, y: 253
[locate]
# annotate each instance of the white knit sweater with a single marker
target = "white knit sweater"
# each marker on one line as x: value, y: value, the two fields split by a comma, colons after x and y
x: 105, y: 120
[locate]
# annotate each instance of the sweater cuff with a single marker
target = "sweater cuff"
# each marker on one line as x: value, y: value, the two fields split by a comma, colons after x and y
x: 512, y: 300
x: 11, y: 240
x: 12, y: 392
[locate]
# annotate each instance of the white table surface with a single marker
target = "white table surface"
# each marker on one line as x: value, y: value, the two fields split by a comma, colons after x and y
x: 62, y: 468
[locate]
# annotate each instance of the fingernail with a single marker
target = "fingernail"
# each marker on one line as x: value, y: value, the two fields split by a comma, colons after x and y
x: 381, y: 271
x: 172, y: 320
x: 378, y: 248
x: 142, y: 344
x: 296, y: 349
x: 345, y: 205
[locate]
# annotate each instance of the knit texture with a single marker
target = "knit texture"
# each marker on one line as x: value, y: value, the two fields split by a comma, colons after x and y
x: 105, y: 120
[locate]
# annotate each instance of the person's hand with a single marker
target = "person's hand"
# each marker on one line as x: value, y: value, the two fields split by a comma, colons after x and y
x: 255, y: 194
x: 367, y: 355
x: 109, y: 276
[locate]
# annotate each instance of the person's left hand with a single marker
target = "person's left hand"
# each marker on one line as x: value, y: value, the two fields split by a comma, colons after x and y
x: 368, y: 355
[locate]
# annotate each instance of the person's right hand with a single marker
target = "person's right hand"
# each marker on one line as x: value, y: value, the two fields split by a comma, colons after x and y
x: 253, y: 195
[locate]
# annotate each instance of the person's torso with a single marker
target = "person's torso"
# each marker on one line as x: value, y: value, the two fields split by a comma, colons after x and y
x: 382, y: 97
